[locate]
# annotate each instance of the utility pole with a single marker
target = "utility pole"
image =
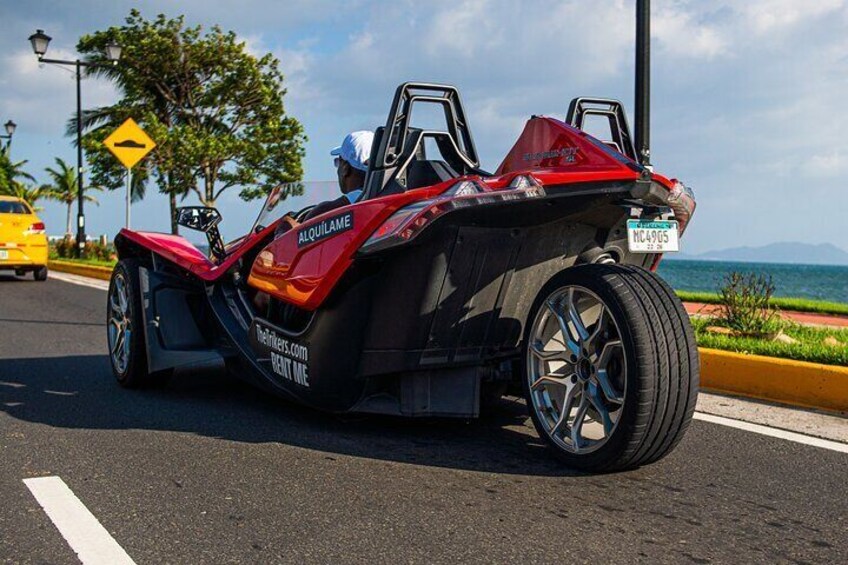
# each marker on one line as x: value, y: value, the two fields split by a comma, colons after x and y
x: 40, y: 41
x: 643, y: 82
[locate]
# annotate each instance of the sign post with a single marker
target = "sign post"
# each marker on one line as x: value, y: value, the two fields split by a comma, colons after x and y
x: 129, y: 191
x: 130, y: 145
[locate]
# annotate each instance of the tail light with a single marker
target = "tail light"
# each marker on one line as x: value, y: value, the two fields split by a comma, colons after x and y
x: 408, y: 222
x: 37, y: 227
x: 681, y: 199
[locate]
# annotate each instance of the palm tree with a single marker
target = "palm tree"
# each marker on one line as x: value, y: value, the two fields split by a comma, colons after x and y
x: 11, y: 175
x: 32, y: 194
x: 64, y: 188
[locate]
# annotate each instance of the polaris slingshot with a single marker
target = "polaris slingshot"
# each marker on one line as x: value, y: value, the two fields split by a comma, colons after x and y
x: 442, y: 284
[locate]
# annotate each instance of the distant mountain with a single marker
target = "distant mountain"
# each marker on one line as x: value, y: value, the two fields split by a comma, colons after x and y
x: 784, y: 252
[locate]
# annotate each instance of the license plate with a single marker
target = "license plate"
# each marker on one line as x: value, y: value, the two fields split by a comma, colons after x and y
x: 4, y: 254
x: 652, y: 236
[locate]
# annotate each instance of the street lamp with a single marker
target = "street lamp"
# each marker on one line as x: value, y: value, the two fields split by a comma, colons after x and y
x: 113, y: 52
x: 40, y: 41
x: 10, y: 131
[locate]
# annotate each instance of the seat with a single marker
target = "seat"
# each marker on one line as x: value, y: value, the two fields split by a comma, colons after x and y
x: 427, y: 173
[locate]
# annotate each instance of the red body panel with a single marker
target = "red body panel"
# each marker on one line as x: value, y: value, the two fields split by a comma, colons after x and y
x: 180, y: 251
x: 305, y: 275
x: 547, y: 143
x: 553, y: 152
x: 172, y: 247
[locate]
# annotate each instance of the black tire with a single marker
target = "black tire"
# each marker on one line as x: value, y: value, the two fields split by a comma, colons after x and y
x: 133, y: 373
x: 661, y: 365
x: 40, y: 274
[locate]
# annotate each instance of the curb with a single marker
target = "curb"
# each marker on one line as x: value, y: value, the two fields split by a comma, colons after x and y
x: 91, y: 271
x: 811, y: 385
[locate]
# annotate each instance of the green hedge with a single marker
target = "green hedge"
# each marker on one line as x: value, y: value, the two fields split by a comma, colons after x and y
x: 92, y: 262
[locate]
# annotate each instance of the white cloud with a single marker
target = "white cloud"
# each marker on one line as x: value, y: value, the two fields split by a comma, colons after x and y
x: 767, y: 16
x: 832, y: 163
x: 294, y: 64
x: 679, y: 33
x: 464, y: 31
x: 42, y: 96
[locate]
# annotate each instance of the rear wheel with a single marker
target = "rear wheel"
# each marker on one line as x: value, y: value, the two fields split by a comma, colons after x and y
x: 611, y: 367
x: 125, y: 331
x: 40, y: 274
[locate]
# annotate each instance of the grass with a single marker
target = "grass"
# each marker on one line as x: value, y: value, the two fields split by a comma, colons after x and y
x: 92, y: 262
x: 793, y: 304
x: 810, y: 346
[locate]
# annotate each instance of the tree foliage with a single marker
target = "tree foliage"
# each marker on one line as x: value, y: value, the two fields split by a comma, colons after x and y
x: 15, y: 181
x: 215, y: 111
x: 64, y: 188
x: 13, y: 177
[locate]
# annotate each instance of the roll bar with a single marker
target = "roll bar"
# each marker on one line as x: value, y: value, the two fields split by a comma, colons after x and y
x: 613, y: 111
x: 396, y: 142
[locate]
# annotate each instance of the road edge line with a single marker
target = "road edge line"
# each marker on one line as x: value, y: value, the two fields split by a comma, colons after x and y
x: 79, y: 280
x: 772, y: 432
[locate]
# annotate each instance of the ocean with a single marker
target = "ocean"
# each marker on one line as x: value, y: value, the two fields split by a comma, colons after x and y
x: 820, y: 282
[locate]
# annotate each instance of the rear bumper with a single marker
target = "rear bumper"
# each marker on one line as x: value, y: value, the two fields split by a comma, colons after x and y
x: 22, y: 256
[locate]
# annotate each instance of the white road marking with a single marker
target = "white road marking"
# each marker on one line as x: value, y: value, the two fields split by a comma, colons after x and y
x: 82, y: 281
x: 826, y: 425
x: 86, y: 536
x: 773, y: 432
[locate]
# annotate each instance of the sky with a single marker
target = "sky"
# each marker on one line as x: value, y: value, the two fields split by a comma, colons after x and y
x: 748, y: 98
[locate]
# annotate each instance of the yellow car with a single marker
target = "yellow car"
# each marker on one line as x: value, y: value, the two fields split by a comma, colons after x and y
x: 23, y: 244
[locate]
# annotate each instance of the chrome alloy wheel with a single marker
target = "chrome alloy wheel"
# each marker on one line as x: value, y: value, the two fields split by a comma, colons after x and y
x: 120, y: 325
x: 576, y: 370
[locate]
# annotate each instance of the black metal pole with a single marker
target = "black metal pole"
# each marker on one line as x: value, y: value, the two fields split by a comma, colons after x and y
x: 80, y: 193
x: 643, y: 81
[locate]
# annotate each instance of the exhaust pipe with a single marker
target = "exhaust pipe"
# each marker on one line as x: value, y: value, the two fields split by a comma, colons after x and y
x: 643, y: 82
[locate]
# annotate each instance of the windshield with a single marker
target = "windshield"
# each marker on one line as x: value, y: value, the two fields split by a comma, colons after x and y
x: 292, y: 198
x: 7, y: 207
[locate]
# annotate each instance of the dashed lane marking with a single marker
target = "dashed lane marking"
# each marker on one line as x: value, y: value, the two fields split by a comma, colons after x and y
x: 773, y: 432
x: 86, y: 536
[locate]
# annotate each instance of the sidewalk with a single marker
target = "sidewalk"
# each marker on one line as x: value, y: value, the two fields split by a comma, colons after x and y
x: 806, y: 318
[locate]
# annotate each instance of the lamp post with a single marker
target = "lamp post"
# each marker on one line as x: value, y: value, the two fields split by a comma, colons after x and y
x: 40, y: 41
x: 10, y: 131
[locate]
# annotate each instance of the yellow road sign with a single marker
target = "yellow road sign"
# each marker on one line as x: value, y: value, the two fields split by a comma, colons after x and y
x: 129, y: 143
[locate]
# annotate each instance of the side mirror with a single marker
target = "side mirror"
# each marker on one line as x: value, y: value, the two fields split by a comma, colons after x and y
x: 205, y: 219
x: 198, y: 218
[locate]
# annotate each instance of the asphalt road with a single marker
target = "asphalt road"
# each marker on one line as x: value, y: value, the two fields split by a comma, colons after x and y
x: 209, y: 470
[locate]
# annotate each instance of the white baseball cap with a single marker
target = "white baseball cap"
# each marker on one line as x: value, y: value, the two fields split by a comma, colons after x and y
x: 356, y: 149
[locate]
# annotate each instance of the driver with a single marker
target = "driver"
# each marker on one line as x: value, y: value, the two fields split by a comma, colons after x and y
x: 351, y: 161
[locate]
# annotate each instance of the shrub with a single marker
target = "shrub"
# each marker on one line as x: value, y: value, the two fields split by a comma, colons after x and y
x: 744, y: 304
x: 65, y: 248
x: 97, y: 250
